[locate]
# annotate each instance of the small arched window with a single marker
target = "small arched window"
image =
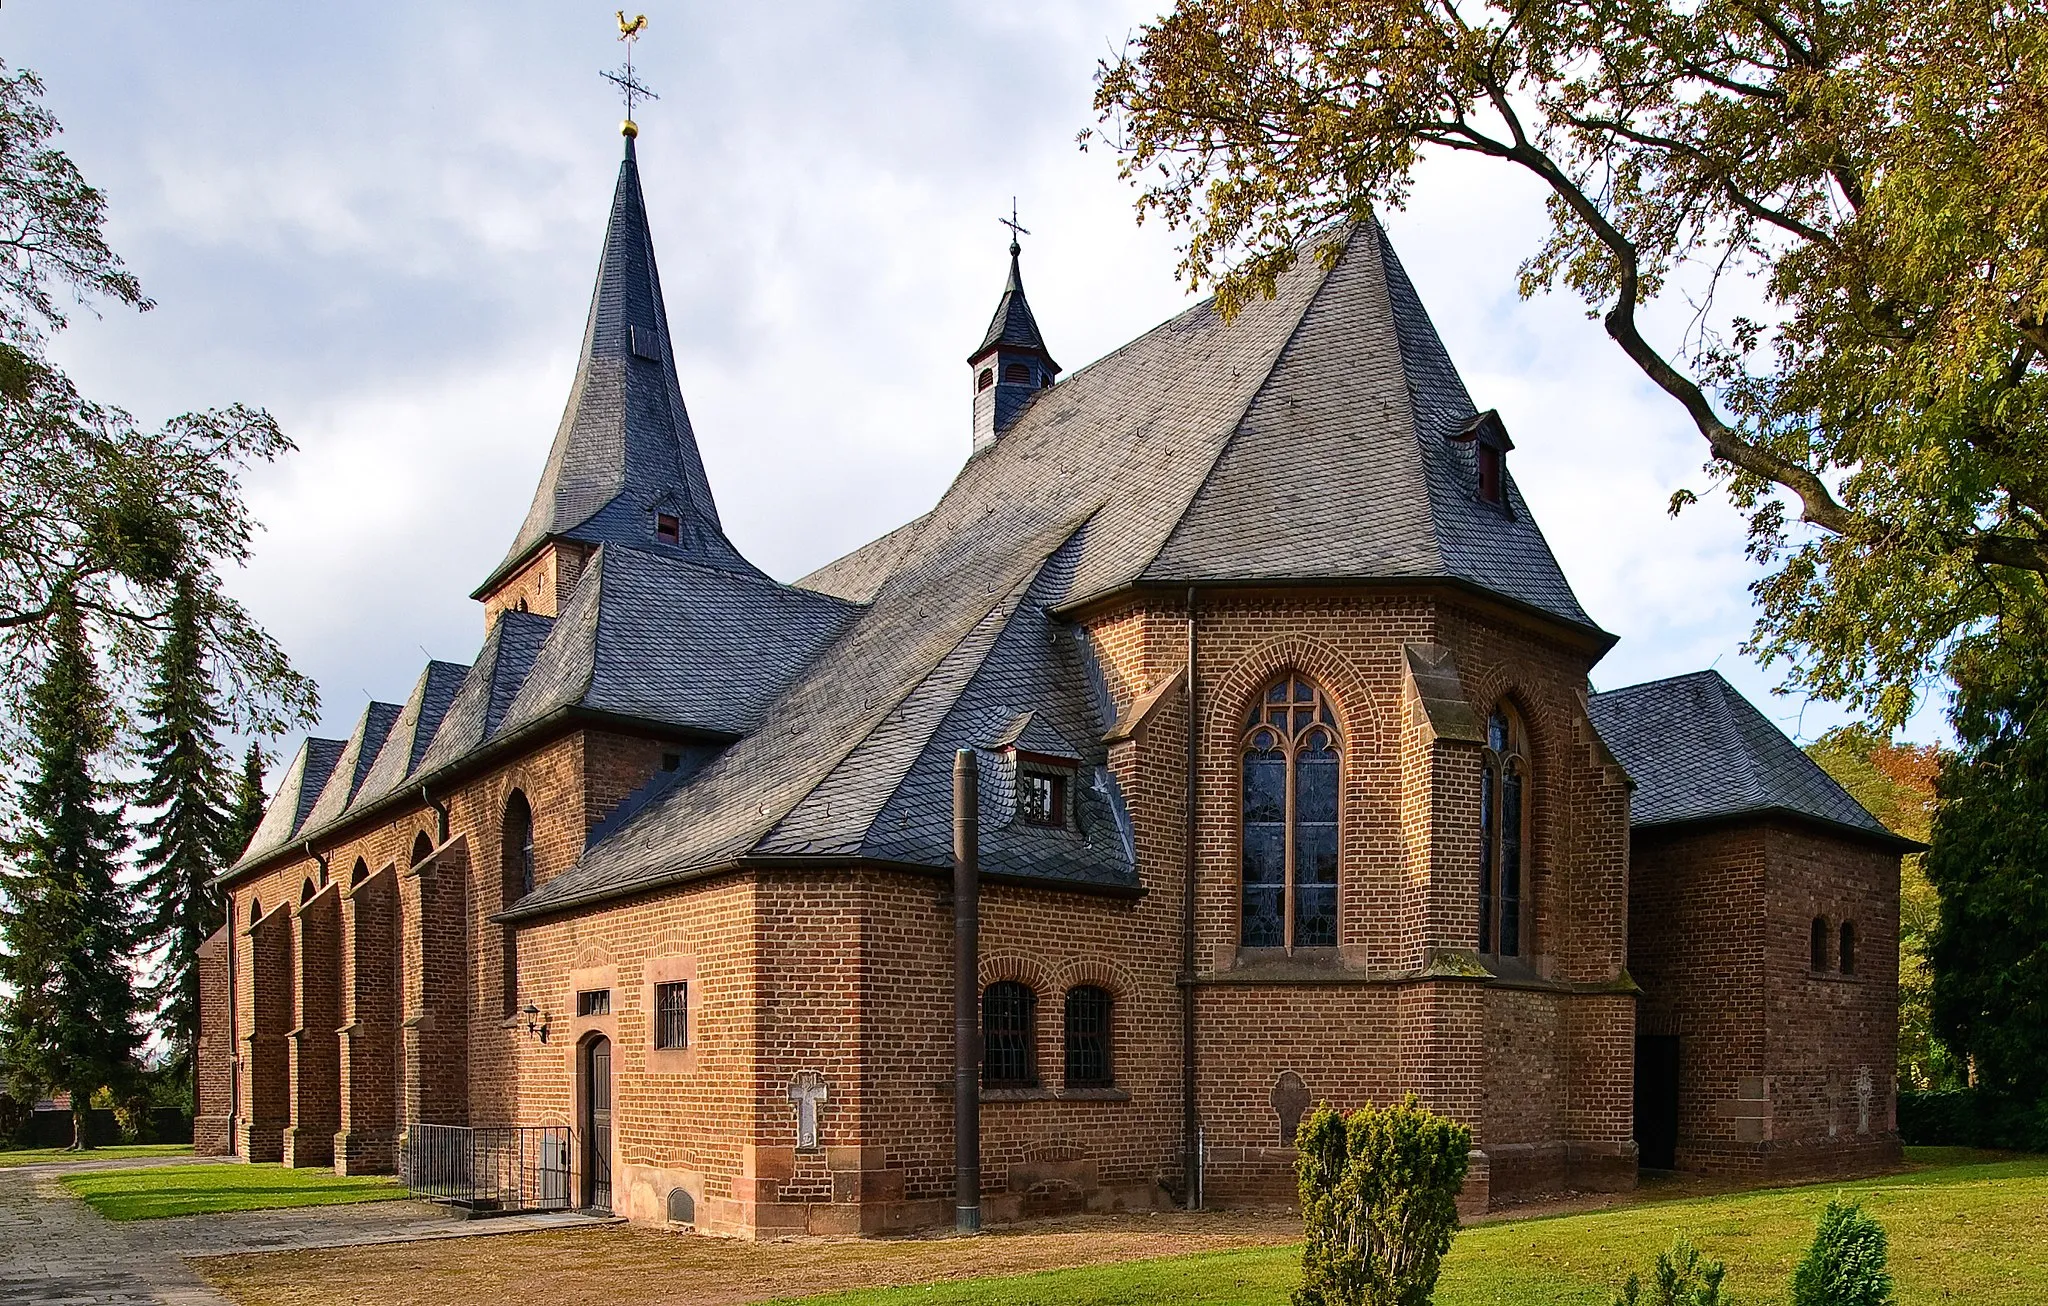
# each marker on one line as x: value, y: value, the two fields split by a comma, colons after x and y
x: 1087, y: 1038
x: 517, y: 883
x: 422, y: 848
x: 986, y: 379
x: 1504, y: 836
x: 306, y: 890
x: 1817, y: 944
x: 1847, y: 954
x: 255, y: 912
x: 359, y: 874
x: 1009, y: 1036
x: 1289, y: 819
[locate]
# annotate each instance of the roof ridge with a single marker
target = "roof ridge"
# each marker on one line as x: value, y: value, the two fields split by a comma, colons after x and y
x: 1252, y: 393
x: 1384, y: 255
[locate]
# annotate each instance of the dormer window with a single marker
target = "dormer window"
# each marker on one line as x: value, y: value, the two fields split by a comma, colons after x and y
x: 986, y: 379
x: 668, y: 528
x: 1490, y: 445
x: 1042, y: 798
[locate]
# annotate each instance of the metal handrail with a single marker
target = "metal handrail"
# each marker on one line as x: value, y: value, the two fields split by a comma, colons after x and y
x: 497, y: 1169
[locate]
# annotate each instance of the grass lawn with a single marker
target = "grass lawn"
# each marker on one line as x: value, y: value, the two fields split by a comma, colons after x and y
x: 1975, y: 1233
x: 148, y: 1194
x: 45, y: 1155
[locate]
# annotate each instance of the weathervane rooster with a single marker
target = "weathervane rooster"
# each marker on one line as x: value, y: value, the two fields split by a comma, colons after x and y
x: 629, y: 32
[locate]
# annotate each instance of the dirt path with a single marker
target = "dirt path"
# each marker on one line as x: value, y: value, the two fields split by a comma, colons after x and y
x: 641, y: 1267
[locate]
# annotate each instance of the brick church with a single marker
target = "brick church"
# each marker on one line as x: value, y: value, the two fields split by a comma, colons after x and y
x: 1292, y: 789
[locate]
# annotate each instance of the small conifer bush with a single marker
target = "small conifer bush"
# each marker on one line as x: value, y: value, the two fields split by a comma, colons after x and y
x: 1846, y: 1264
x: 1681, y: 1277
x: 1379, y: 1198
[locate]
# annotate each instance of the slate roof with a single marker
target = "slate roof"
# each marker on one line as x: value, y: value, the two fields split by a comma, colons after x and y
x: 1699, y: 751
x: 1013, y: 326
x: 859, y: 574
x: 357, y: 755
x: 625, y: 448
x: 406, y: 746
x: 296, y: 793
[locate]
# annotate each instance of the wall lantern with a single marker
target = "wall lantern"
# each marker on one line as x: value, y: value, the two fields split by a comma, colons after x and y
x: 536, y: 1022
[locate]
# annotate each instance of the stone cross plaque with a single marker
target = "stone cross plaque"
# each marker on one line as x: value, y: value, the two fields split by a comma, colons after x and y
x: 806, y: 1092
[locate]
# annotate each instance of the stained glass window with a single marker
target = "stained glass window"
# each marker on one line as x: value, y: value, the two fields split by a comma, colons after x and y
x: 1289, y: 815
x: 1503, y: 836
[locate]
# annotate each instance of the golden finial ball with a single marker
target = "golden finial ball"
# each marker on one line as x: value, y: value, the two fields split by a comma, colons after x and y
x: 629, y: 128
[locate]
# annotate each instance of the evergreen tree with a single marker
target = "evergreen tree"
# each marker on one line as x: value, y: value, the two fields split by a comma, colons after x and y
x: 68, y: 1020
x: 186, y: 785
x: 249, y: 801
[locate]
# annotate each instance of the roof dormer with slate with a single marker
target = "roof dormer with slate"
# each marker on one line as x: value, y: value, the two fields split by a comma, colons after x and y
x: 1011, y: 364
x: 624, y: 467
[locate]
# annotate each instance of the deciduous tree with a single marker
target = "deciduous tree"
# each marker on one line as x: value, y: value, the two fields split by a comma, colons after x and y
x: 1879, y: 170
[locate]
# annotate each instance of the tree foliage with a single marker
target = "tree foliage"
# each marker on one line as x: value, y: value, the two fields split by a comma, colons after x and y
x: 1895, y: 782
x: 1989, y: 864
x: 97, y: 512
x: 1379, y: 1199
x: 189, y: 838
x: 1879, y: 172
x: 249, y: 801
x: 1845, y: 1266
x: 68, y: 1017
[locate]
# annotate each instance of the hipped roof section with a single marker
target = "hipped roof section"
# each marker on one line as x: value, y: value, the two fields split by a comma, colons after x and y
x: 1699, y: 751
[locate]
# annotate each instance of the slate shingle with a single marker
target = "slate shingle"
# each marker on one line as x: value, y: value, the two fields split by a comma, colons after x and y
x: 296, y: 793
x: 1699, y: 751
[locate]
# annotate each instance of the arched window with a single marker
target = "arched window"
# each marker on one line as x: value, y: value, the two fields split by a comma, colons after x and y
x: 1847, y: 956
x: 1817, y: 944
x: 1009, y: 1036
x: 359, y: 874
x: 986, y: 379
x: 422, y: 848
x: 517, y: 883
x: 306, y: 890
x: 255, y: 912
x: 1289, y: 818
x: 1504, y: 836
x: 1087, y: 1035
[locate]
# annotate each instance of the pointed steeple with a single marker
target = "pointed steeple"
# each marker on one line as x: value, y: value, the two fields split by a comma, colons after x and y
x: 1011, y: 364
x: 624, y: 468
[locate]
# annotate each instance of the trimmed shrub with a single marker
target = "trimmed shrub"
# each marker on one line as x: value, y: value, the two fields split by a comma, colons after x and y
x: 1971, y: 1117
x: 1846, y: 1264
x: 1379, y: 1199
x: 1681, y: 1277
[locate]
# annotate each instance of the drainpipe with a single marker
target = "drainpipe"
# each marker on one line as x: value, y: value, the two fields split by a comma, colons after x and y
x: 308, y: 845
x: 1191, y: 1119
x: 966, y: 993
x: 440, y: 817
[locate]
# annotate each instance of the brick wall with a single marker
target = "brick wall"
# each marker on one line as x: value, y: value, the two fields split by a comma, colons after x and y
x: 213, y: 1054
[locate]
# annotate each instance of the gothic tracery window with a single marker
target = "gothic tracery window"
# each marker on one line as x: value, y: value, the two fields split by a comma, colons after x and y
x: 516, y: 883
x: 1289, y: 818
x: 1504, y: 836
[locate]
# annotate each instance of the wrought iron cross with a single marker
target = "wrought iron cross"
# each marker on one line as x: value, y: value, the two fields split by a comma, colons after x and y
x: 631, y: 89
x: 1015, y: 230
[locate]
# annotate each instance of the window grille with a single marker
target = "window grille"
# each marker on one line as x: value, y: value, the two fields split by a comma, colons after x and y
x: 1087, y: 1031
x: 594, y: 1002
x: 672, y: 1015
x: 1009, y: 1019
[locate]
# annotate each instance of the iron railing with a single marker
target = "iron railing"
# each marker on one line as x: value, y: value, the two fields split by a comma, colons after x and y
x: 492, y: 1171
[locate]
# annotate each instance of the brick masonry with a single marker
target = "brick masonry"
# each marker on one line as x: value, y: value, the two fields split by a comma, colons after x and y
x: 368, y: 988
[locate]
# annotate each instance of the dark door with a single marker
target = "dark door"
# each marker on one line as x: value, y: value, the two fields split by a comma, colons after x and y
x: 1657, y: 1101
x: 597, y: 1125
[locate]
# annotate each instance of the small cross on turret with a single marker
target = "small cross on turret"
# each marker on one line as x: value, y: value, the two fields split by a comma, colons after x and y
x: 1012, y: 363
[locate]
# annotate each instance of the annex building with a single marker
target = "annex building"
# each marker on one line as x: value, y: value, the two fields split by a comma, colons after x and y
x: 1292, y: 790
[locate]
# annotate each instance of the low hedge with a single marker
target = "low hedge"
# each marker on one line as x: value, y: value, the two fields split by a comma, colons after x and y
x: 1969, y: 1117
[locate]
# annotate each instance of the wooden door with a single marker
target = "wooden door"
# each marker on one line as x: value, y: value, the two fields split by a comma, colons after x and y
x: 597, y: 1124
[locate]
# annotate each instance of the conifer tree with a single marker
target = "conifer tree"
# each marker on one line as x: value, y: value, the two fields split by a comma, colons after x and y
x: 68, y: 1019
x: 186, y: 786
x: 249, y: 802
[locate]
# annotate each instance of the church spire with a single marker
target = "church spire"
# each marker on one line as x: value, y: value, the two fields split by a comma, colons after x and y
x: 1012, y: 363
x: 624, y: 468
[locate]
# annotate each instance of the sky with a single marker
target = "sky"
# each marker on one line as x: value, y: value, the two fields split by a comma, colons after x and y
x: 380, y: 221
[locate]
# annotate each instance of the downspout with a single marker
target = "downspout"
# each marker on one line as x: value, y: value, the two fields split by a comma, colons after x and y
x: 308, y: 846
x: 1191, y: 1120
x: 440, y: 817
x: 966, y: 993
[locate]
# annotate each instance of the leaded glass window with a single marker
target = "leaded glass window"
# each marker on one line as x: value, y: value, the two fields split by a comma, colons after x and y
x: 1504, y: 836
x: 1289, y: 815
